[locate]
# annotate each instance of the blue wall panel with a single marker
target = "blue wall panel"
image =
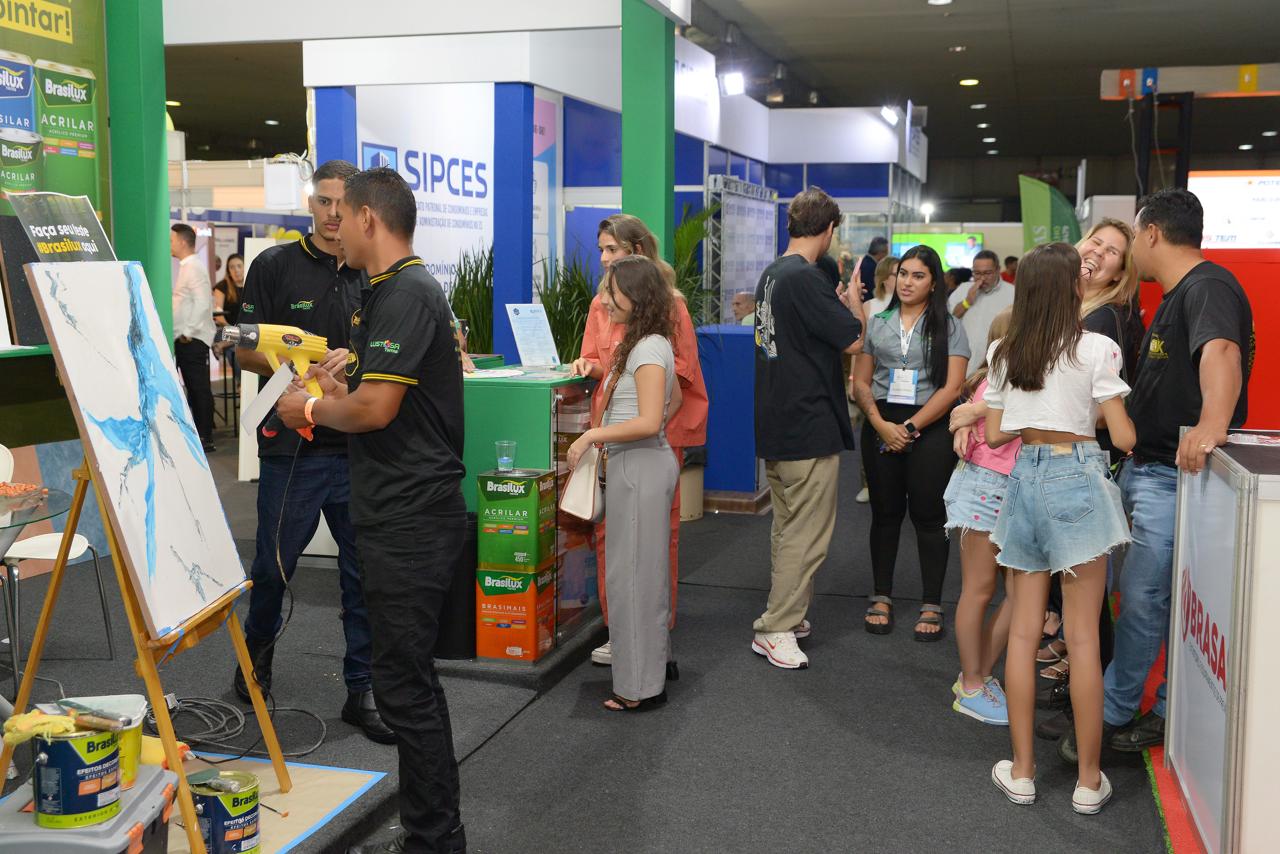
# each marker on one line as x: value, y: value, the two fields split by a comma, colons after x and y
x: 738, y: 166
x: 727, y: 354
x: 688, y: 160
x: 717, y: 161
x: 851, y: 180
x: 787, y: 179
x: 580, y: 232
x: 755, y: 172
x: 336, y: 124
x: 592, y: 145
x: 512, y: 208
x: 783, y: 237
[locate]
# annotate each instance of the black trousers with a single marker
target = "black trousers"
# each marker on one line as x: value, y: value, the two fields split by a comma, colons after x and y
x: 912, y: 483
x: 406, y: 567
x: 192, y: 359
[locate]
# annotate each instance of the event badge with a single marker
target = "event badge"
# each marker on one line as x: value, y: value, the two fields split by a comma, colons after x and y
x: 902, y: 386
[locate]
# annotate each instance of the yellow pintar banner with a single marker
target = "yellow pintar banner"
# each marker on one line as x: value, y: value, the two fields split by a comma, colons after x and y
x: 1248, y: 78
x: 38, y: 18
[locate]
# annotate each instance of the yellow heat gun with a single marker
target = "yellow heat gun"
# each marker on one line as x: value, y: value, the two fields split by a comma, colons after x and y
x: 280, y: 344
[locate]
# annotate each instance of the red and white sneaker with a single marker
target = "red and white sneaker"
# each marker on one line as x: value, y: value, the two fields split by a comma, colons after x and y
x: 803, y: 630
x: 780, y: 649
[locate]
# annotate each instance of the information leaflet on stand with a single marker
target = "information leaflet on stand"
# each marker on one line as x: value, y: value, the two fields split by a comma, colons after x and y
x: 533, y: 336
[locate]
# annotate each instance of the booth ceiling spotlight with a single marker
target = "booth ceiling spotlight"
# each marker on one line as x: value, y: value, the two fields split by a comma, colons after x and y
x: 733, y: 83
x: 977, y: 106
x: 970, y: 81
x: 890, y: 115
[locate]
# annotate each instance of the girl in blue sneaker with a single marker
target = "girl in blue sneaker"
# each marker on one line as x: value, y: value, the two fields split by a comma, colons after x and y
x: 1049, y: 382
x: 973, y: 500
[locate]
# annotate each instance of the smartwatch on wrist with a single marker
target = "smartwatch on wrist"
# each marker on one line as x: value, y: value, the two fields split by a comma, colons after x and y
x: 911, y: 428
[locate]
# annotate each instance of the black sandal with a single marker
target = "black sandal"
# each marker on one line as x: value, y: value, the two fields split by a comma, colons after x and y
x: 645, y: 705
x: 930, y: 637
x: 879, y: 628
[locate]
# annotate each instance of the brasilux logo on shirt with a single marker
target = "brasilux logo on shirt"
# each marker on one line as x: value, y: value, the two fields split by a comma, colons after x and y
x: 1156, y: 350
x: 386, y: 345
x: 304, y: 305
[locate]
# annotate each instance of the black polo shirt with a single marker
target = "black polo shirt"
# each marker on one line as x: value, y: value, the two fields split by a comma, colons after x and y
x: 403, y: 333
x: 297, y: 284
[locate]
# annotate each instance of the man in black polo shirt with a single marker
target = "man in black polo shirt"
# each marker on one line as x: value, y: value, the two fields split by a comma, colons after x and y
x: 308, y: 284
x: 403, y: 408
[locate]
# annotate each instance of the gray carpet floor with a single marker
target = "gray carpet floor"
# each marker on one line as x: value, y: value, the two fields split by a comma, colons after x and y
x: 859, y: 753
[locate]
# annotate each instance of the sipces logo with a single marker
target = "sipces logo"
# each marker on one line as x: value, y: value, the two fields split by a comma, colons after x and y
x: 1200, y: 630
x: 375, y: 156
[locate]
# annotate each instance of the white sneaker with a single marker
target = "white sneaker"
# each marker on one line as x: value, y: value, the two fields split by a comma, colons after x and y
x: 602, y: 654
x: 781, y: 650
x: 863, y: 496
x: 803, y: 630
x: 1019, y: 790
x: 1091, y: 801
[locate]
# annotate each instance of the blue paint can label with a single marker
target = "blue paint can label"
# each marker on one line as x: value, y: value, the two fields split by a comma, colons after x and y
x: 77, y: 779
x: 17, y: 94
x: 229, y: 819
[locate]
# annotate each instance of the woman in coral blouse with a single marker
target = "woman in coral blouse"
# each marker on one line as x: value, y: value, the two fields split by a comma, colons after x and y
x: 619, y: 236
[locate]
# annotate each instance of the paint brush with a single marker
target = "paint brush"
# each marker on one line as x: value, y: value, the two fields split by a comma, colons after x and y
x: 284, y: 814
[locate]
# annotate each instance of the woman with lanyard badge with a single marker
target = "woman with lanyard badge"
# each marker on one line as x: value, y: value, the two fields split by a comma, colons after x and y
x: 906, y: 380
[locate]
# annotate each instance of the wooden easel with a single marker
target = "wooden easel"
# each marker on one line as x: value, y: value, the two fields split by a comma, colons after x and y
x: 151, y: 652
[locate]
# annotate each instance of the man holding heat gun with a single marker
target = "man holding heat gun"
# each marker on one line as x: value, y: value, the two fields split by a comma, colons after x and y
x: 308, y: 285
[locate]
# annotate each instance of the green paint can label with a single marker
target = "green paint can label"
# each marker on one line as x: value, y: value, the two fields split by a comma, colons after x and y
x: 228, y: 810
x: 66, y: 108
x: 77, y: 779
x: 21, y: 162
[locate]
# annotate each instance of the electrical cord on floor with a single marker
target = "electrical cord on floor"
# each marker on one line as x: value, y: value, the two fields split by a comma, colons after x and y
x: 221, y: 720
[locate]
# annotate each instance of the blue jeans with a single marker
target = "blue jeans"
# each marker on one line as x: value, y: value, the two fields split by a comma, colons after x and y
x: 1150, y: 492
x: 321, y: 484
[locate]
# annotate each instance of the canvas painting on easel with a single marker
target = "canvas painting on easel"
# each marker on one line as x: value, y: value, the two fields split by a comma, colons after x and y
x: 139, y: 437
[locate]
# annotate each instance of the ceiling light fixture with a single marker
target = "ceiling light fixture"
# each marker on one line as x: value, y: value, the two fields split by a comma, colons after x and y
x: 1246, y: 147
x: 992, y: 151
x: 977, y: 106
x: 927, y: 209
x: 733, y: 83
x: 983, y: 125
x: 890, y: 115
x: 272, y: 122
x: 988, y: 139
x: 957, y: 48
x: 775, y: 96
x: 969, y: 81
x: 939, y: 2
x: 813, y: 97
x: 179, y: 104
x: 1269, y: 133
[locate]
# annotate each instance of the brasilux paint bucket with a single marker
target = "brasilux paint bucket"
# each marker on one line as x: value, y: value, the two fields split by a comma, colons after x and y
x: 133, y: 707
x: 228, y: 810
x: 67, y: 112
x: 77, y: 779
x: 17, y: 91
x: 21, y: 161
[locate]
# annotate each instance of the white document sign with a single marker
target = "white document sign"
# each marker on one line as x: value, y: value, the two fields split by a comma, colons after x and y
x: 439, y: 137
x: 533, y: 335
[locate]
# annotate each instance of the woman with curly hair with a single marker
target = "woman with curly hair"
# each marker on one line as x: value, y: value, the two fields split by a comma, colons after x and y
x: 640, y: 394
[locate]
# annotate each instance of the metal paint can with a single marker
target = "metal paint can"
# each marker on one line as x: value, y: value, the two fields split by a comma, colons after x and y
x: 77, y: 779
x: 229, y: 819
x: 67, y: 112
x: 21, y: 161
x: 17, y: 91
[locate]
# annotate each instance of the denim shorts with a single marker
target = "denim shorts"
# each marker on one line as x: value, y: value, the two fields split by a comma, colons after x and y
x: 974, y: 497
x: 1061, y: 509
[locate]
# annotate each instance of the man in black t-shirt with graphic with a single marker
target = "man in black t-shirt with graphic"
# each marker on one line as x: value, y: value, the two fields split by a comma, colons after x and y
x: 1193, y: 371
x: 307, y: 284
x: 402, y: 407
x: 802, y: 417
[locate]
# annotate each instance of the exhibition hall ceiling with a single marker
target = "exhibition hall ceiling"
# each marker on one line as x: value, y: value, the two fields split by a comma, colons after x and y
x: 1037, y: 63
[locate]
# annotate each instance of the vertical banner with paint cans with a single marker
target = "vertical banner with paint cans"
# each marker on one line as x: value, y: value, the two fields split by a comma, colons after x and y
x: 1047, y: 215
x: 53, y: 128
x: 439, y: 137
x: 546, y: 182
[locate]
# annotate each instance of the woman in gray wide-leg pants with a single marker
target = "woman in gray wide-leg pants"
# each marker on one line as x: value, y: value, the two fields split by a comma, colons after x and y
x: 641, y: 477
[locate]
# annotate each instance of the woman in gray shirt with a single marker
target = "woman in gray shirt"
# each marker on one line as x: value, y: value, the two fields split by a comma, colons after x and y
x: 641, y: 393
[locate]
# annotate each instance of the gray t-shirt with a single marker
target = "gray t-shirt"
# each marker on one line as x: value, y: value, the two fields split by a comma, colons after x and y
x: 884, y: 344
x: 625, y: 404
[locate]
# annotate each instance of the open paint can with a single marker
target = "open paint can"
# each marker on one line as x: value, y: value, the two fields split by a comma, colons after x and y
x: 76, y: 779
x: 133, y: 707
x: 228, y: 809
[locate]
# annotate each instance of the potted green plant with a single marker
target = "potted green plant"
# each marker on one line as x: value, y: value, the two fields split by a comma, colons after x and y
x: 472, y: 298
x: 565, y: 293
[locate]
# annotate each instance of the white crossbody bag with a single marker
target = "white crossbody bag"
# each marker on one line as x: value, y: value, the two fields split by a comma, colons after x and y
x: 583, y: 495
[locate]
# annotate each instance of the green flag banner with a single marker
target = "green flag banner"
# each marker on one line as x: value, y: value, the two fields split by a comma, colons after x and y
x: 1047, y: 215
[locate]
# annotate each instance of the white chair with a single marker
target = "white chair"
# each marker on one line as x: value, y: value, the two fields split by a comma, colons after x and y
x: 40, y: 547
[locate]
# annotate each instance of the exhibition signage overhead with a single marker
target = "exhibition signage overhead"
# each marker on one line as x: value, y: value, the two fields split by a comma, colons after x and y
x: 439, y: 137
x: 1047, y: 215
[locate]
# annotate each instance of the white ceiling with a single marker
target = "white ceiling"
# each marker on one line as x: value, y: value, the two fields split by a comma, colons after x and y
x: 1038, y: 61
